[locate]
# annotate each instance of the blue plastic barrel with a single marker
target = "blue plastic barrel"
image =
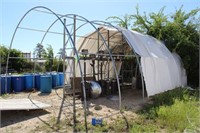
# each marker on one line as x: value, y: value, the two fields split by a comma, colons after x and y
x: 61, y: 78
x: 55, y: 80
x: 18, y: 83
x: 28, y: 81
x: 37, y: 81
x: 5, y: 85
x: 45, y: 84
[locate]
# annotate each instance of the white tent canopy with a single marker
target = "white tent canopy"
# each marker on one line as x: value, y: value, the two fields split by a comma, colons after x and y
x: 161, y: 69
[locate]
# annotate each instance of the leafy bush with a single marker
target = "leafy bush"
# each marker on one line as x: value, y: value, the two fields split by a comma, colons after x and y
x: 180, y: 116
x: 168, y: 98
x: 175, y: 110
x: 141, y: 128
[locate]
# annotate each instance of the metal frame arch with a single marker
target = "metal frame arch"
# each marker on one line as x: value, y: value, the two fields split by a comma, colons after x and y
x: 109, y: 24
x: 76, y: 53
x: 75, y: 50
x: 92, y: 24
x: 49, y: 29
x: 113, y: 61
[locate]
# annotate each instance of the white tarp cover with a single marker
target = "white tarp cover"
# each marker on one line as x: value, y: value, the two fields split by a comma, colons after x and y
x: 161, y: 69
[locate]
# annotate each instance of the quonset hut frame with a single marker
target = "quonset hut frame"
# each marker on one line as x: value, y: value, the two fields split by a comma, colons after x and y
x: 75, y: 54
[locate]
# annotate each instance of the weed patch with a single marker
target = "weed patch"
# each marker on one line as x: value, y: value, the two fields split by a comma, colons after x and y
x: 175, y: 110
x: 180, y: 116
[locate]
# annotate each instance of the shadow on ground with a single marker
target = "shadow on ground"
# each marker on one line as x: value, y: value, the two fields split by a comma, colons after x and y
x: 15, y: 116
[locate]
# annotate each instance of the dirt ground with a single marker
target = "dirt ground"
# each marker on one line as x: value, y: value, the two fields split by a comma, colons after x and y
x: 36, y: 120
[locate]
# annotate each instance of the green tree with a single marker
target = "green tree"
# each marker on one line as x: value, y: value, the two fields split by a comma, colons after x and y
x: 49, y: 56
x: 16, y: 63
x: 39, y: 51
x: 57, y: 65
x: 179, y: 32
x: 3, y: 53
x: 124, y: 22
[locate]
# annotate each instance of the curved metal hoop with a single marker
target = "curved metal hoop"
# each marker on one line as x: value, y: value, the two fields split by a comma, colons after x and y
x: 92, y: 23
x: 76, y: 52
x: 105, y: 43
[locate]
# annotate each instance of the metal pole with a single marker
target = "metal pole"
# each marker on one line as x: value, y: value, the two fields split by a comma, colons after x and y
x: 122, y: 68
x: 141, y: 74
x: 63, y: 53
x: 64, y: 38
x: 74, y: 102
x: 93, y: 62
x: 136, y: 70
x: 108, y: 58
x: 101, y: 70
x: 98, y: 55
x: 84, y: 95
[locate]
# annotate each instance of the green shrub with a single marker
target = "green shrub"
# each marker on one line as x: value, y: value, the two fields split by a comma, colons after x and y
x: 175, y: 110
x: 120, y: 125
x: 167, y: 98
x: 180, y: 116
x: 141, y: 128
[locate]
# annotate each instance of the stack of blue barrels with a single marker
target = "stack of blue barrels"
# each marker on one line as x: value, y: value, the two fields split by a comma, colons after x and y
x: 27, y: 82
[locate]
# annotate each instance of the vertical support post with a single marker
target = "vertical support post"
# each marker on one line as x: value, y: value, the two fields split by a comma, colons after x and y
x: 35, y: 61
x: 64, y: 73
x: 93, y: 62
x: 136, y: 70
x: 122, y: 68
x: 84, y: 69
x: 101, y: 70
x: 108, y: 57
x: 33, y: 72
x: 98, y: 52
x: 84, y: 95
x: 74, y: 102
x: 142, y: 78
x: 64, y: 57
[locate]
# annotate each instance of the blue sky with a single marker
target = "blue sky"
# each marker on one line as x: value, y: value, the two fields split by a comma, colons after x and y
x: 12, y: 11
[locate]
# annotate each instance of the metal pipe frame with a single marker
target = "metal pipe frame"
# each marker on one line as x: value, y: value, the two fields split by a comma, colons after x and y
x: 74, y: 74
x: 104, y: 42
x: 76, y: 52
x: 92, y: 23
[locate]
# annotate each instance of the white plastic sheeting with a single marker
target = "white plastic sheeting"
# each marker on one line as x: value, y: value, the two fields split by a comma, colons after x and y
x: 161, y: 69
